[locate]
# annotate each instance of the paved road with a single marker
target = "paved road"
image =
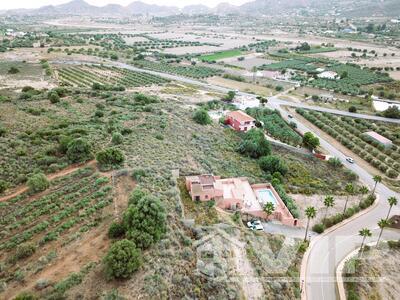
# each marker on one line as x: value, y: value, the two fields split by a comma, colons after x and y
x: 277, y: 101
x: 329, y: 250
x: 273, y: 100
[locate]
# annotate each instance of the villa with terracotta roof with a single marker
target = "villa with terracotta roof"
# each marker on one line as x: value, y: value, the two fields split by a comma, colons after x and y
x: 240, y: 121
x: 239, y: 194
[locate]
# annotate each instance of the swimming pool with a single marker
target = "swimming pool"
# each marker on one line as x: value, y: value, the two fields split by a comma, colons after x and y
x: 266, y: 196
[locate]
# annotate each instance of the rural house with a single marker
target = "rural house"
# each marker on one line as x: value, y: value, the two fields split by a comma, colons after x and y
x: 240, y: 121
x: 239, y: 194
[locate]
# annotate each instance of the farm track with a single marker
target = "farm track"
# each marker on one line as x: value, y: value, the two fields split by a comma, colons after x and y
x: 22, y: 189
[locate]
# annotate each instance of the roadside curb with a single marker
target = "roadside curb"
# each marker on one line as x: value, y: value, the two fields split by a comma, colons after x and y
x: 304, y: 262
x: 339, y: 271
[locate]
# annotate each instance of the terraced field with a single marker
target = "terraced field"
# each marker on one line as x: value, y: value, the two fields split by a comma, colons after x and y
x: 187, y: 71
x: 71, y: 201
x: 85, y: 76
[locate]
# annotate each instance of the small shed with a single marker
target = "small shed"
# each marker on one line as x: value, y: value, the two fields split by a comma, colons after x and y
x: 373, y: 136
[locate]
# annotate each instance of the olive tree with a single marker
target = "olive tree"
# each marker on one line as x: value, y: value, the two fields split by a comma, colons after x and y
x: 145, y: 222
x: 122, y: 260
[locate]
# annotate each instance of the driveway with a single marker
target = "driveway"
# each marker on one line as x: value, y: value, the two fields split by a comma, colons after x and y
x: 287, y: 231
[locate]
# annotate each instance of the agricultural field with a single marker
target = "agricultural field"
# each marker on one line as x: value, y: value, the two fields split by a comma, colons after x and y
x: 147, y: 42
x: 220, y: 55
x: 276, y: 126
x: 355, y: 77
x: 349, y: 132
x: 351, y: 77
x: 197, y: 72
x: 41, y: 225
x: 85, y: 76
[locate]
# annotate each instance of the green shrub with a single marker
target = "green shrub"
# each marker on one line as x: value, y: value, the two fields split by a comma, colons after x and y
x: 25, y: 250
x: 136, y: 195
x: 310, y: 141
x: 110, y: 158
x: 335, y: 162
x: 319, y: 228
x: 38, y: 183
x: 352, y: 295
x: 53, y: 97
x: 201, y: 117
x: 273, y: 164
x: 117, y: 138
x: 79, y: 150
x: 3, y: 186
x: 3, y: 130
x: 26, y: 296
x: 138, y: 174
x: 146, y: 221
x: 254, y: 144
x: 13, y: 70
x: 394, y: 244
x: 122, y: 260
x: 116, y: 230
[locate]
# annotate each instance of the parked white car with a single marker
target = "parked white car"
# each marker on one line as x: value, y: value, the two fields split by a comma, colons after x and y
x: 255, y: 225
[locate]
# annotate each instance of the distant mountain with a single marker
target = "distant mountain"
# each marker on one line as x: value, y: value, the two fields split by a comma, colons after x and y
x: 225, y: 8
x: 360, y: 8
x: 345, y: 8
x: 139, y: 7
x: 196, y: 9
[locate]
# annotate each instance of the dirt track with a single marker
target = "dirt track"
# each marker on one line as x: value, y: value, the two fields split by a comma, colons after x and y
x: 23, y: 188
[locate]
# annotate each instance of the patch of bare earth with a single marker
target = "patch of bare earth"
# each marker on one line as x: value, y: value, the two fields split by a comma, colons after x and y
x: 317, y: 201
x: 379, y: 274
x: 252, y: 287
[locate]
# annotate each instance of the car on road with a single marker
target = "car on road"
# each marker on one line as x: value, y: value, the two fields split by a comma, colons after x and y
x: 350, y: 160
x: 290, y: 116
x: 255, y: 225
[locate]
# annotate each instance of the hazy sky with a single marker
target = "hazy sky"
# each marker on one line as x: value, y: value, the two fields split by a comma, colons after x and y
x: 7, y: 4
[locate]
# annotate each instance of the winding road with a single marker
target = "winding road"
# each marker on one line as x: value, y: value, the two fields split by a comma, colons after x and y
x: 318, y: 279
x: 326, y: 251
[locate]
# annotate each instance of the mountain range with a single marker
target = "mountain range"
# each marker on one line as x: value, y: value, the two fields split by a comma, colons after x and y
x: 358, y: 8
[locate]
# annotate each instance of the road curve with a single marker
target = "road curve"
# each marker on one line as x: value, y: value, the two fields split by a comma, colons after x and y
x: 328, y: 250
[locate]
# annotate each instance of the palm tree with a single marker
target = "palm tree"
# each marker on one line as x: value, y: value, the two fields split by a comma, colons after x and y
x: 363, y: 190
x: 311, y: 212
x: 328, y: 202
x: 269, y: 208
x: 349, y: 190
x: 392, y: 201
x: 382, y: 224
x: 377, y: 179
x: 365, y: 232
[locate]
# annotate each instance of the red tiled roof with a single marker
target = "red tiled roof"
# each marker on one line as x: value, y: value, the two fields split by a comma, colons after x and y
x: 240, y: 116
x: 206, y: 179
